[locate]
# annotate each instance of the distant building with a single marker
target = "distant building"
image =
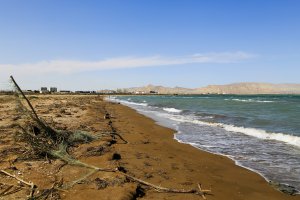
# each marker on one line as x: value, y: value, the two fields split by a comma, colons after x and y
x: 65, y: 91
x: 53, y: 89
x: 83, y: 92
x: 153, y: 92
x: 6, y: 92
x: 44, y: 90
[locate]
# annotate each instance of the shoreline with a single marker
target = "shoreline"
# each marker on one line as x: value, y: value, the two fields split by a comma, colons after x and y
x: 152, y: 155
x: 235, y: 165
x: 199, y: 148
x: 226, y: 156
x: 162, y: 121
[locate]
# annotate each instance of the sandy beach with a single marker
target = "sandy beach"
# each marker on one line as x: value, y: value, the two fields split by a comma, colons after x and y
x: 151, y: 154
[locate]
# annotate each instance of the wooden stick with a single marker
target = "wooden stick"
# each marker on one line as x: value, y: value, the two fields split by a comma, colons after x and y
x: 200, y: 190
x: 28, y: 102
x: 30, y: 184
x: 15, y: 177
x: 72, y: 161
x: 6, y: 190
x: 13, y: 191
x: 170, y: 190
x: 81, y: 179
x: 35, y: 117
x: 125, y: 141
x: 32, y: 190
x: 159, y: 188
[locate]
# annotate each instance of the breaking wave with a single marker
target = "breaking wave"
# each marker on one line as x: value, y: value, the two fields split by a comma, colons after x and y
x: 250, y: 100
x: 172, y: 110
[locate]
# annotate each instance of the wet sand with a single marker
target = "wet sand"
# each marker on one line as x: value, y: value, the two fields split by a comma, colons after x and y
x: 151, y: 155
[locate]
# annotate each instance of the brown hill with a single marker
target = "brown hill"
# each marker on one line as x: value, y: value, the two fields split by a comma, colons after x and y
x: 235, y: 88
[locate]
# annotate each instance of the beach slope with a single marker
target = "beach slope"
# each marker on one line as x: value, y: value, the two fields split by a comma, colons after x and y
x: 151, y: 154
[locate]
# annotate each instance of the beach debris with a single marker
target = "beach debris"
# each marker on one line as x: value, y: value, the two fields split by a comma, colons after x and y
x: 119, y: 180
x: 122, y: 169
x: 49, y: 141
x: 28, y: 183
x: 139, y: 192
x: 101, y: 183
x: 107, y: 116
x: 114, y: 132
x: 116, y: 156
x: 148, y: 175
x: 52, y: 193
x: 97, y: 151
x: 46, y: 141
x: 6, y: 189
x: 199, y: 191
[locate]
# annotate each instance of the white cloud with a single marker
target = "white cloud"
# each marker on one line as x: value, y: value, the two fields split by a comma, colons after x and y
x: 74, y: 66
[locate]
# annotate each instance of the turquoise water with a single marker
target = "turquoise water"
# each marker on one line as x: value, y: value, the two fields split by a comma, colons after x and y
x: 271, y: 113
x: 259, y: 132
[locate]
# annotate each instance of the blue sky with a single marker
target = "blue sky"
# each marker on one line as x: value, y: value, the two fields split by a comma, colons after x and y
x: 89, y: 44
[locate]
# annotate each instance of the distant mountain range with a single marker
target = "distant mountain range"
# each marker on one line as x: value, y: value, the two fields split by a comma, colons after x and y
x: 235, y: 88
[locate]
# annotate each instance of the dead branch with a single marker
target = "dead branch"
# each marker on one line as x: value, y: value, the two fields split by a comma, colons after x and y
x: 17, y: 178
x: 30, y: 184
x: 28, y: 102
x: 200, y: 192
x: 35, y: 117
x: 115, y: 133
x: 73, y: 161
x: 81, y: 179
x: 6, y: 190
x: 14, y: 190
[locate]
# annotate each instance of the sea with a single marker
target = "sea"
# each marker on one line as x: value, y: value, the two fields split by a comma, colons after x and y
x: 258, y: 132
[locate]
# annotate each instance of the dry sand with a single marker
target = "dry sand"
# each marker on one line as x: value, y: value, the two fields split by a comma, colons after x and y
x: 151, y: 154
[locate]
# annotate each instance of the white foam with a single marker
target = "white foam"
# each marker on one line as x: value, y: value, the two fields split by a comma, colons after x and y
x: 133, y: 103
x: 172, y: 110
x: 258, y: 133
x: 114, y: 99
x: 262, y: 134
x: 110, y: 98
x: 250, y: 100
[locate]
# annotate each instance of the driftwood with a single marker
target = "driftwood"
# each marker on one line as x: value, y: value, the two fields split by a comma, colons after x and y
x: 200, y: 191
x: 30, y: 184
x: 23, y: 95
x: 54, y: 190
x: 10, y: 189
x: 113, y: 134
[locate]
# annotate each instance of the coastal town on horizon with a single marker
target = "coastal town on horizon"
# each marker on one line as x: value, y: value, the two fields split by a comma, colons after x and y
x: 235, y: 88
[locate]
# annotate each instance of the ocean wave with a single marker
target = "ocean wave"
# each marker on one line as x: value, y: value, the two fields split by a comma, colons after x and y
x: 262, y: 134
x: 134, y: 103
x: 250, y: 100
x: 172, y: 110
x: 125, y: 102
x: 258, y: 133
